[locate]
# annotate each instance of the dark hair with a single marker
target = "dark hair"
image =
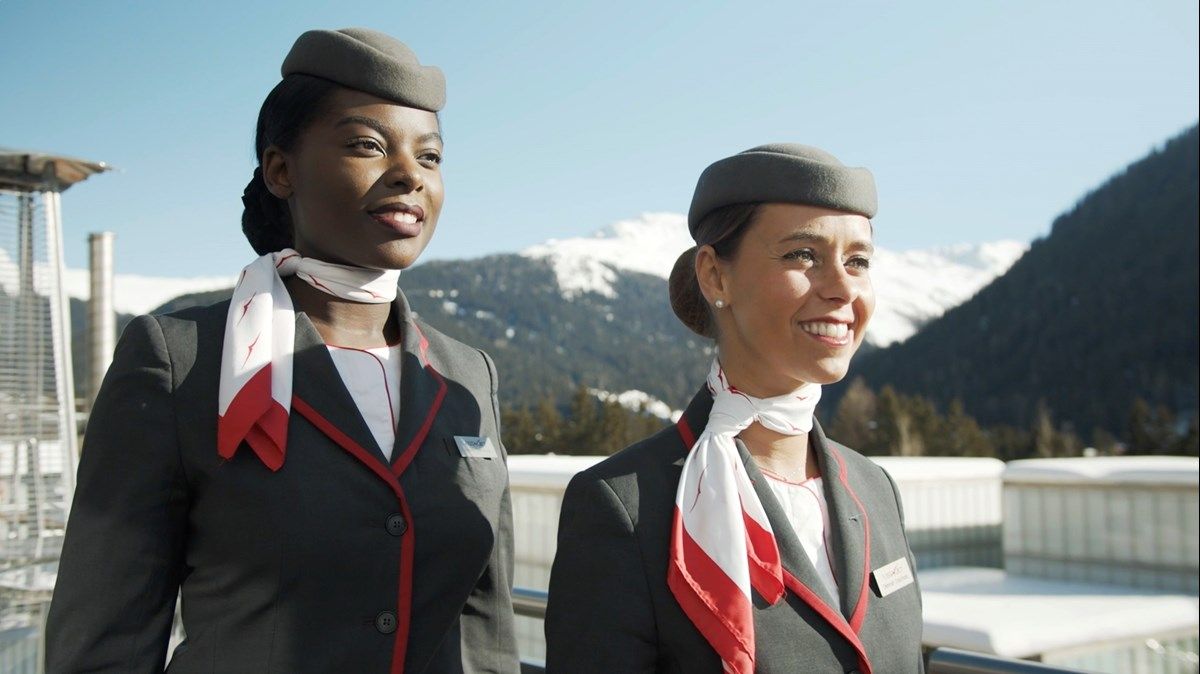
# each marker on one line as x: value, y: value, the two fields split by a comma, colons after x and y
x: 723, y: 229
x: 287, y: 111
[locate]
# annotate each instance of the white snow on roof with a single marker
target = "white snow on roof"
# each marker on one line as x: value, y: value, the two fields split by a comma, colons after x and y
x: 936, y: 469
x: 1158, y: 470
x: 546, y: 470
x: 991, y: 611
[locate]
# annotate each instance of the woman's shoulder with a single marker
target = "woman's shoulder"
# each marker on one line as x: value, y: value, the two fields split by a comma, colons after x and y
x: 445, y: 347
x: 646, y: 470
x: 458, y: 359
x: 859, y: 466
x: 202, y: 316
x: 181, y: 338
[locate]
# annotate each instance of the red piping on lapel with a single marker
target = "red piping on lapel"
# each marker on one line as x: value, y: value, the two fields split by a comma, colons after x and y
x: 685, y: 432
x: 409, y: 452
x: 860, y: 608
x: 832, y: 617
x: 347, y: 443
x: 404, y: 599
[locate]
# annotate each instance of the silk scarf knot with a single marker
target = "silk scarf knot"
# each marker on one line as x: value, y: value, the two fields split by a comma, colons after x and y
x: 722, y: 544
x: 255, y: 391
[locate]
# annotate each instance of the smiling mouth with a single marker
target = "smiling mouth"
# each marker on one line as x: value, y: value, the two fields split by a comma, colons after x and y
x: 402, y: 219
x: 836, y: 334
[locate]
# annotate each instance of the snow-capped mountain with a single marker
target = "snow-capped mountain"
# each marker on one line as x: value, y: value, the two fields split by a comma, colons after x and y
x: 913, y: 287
x: 134, y: 294
x: 593, y: 310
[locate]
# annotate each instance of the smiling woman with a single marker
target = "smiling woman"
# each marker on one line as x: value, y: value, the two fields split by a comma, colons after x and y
x: 743, y: 540
x: 274, y: 459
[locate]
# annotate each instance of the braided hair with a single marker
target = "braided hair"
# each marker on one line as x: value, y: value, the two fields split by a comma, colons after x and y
x: 287, y: 111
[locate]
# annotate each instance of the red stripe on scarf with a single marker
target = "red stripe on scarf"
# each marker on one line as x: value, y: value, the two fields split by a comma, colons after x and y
x: 256, y: 418
x: 711, y: 601
x: 766, y: 569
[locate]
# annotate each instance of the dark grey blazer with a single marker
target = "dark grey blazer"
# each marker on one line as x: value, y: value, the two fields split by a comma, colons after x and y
x: 610, y: 608
x: 338, y: 562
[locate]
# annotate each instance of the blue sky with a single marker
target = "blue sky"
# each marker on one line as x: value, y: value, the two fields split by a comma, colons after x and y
x: 981, y: 120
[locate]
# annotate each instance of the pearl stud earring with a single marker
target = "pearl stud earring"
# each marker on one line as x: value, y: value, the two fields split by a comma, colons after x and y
x: 720, y: 304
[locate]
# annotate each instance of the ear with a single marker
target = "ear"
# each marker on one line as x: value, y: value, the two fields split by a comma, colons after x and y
x: 711, y: 275
x: 275, y: 172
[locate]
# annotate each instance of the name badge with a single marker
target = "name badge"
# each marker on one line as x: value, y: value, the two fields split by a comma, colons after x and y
x: 475, y: 448
x: 891, y: 577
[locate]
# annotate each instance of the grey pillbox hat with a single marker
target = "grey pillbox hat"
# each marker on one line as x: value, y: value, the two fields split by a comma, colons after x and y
x: 369, y: 61
x: 783, y: 173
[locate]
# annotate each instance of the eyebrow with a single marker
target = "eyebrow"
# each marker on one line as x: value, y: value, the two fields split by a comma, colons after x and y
x: 382, y: 129
x: 806, y: 236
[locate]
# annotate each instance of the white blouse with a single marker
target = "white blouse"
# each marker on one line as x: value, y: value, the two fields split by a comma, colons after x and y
x: 804, y: 505
x: 373, y: 378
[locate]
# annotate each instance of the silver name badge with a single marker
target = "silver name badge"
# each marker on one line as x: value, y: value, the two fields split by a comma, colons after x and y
x: 475, y: 448
x: 892, y: 577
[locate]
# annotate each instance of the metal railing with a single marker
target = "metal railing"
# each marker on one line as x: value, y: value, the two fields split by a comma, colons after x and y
x: 955, y: 661
x: 532, y: 604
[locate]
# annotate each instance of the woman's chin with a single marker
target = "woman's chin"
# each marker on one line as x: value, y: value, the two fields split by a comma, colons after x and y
x: 826, y: 373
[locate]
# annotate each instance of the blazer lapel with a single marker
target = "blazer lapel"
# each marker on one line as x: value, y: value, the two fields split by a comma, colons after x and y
x: 422, y: 390
x: 849, y: 529
x: 319, y: 387
x: 791, y: 552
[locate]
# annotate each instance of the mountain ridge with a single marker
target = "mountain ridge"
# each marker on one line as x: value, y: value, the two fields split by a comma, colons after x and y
x: 1099, y: 313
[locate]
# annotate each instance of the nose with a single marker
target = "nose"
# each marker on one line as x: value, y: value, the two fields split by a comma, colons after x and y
x: 838, y: 285
x: 404, y: 173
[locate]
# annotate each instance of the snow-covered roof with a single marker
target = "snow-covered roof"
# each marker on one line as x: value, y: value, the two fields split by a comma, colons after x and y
x: 546, y: 470
x: 1146, y: 470
x: 936, y: 468
x: 991, y: 611
x: 529, y: 470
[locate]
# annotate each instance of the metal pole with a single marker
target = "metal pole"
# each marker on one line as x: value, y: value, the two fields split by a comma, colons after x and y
x: 102, y: 320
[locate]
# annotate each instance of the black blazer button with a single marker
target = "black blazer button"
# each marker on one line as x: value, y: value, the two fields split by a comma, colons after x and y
x: 396, y: 525
x: 385, y: 622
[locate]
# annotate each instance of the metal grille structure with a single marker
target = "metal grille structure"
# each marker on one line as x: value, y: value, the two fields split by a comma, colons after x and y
x: 38, y: 434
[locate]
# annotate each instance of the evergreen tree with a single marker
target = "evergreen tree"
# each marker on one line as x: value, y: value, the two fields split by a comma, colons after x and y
x: 1045, y: 440
x: 854, y: 421
x: 1189, y: 443
x: 962, y: 434
x: 896, y: 431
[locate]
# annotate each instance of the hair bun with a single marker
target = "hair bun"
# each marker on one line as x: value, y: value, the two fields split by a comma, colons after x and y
x: 687, y: 302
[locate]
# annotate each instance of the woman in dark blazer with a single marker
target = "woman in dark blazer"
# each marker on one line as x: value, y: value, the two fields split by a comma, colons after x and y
x: 317, y: 473
x: 742, y: 539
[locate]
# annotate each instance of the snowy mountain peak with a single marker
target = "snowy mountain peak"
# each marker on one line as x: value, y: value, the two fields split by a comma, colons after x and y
x: 913, y: 287
x: 648, y: 244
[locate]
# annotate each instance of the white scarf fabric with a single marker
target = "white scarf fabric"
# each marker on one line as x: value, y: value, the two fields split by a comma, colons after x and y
x: 722, y: 544
x: 255, y: 394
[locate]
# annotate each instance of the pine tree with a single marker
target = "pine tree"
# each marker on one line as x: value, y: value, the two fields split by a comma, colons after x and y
x: 1045, y: 441
x: 854, y: 421
x: 962, y: 433
x: 519, y: 430
x: 896, y: 433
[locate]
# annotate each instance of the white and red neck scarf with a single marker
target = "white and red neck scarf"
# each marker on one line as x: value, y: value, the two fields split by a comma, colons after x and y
x: 260, y: 331
x: 722, y: 544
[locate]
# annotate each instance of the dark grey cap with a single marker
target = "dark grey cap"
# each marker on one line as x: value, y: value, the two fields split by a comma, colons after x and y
x: 783, y: 173
x: 369, y: 61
